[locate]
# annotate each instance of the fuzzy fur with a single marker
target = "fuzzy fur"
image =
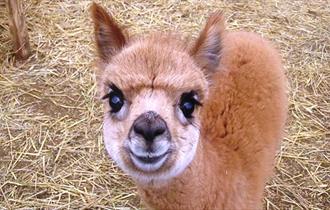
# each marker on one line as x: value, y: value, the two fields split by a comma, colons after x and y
x: 221, y: 160
x: 242, y: 125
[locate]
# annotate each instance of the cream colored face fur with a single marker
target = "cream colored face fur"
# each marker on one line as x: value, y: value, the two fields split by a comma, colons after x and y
x: 151, y: 75
x: 152, y: 89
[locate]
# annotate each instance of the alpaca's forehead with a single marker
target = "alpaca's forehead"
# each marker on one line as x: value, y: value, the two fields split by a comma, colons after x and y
x: 171, y: 82
x: 155, y: 66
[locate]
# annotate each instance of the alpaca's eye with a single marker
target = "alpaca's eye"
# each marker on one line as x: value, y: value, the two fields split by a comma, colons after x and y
x: 116, y: 101
x: 116, y: 98
x: 188, y: 103
x: 187, y: 107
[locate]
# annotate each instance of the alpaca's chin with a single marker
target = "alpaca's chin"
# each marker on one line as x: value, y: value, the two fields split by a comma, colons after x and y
x: 159, y: 170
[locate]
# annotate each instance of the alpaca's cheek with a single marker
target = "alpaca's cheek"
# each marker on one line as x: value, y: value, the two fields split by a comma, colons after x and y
x: 113, y: 140
x: 186, y: 147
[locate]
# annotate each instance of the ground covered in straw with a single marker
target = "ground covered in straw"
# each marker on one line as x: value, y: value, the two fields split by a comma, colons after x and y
x: 51, y: 149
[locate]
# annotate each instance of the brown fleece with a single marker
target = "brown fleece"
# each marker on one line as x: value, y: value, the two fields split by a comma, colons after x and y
x: 242, y: 125
x: 242, y: 118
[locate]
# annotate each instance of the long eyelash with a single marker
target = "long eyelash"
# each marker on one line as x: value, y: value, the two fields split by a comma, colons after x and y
x: 105, y: 96
x: 191, y: 95
x: 115, y: 89
x: 198, y: 103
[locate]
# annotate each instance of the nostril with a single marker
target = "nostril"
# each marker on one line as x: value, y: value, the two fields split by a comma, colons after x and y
x: 138, y: 129
x: 159, y: 131
x: 149, y: 133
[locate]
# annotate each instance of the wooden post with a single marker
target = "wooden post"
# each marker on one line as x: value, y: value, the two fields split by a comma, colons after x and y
x: 18, y: 29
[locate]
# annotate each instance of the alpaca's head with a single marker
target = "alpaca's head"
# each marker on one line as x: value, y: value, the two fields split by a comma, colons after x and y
x: 153, y: 88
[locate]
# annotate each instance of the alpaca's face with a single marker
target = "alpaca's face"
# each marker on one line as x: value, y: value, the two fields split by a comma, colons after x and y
x: 152, y: 99
x: 153, y: 88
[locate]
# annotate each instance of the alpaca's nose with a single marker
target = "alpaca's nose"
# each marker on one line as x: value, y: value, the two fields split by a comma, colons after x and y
x: 149, y: 125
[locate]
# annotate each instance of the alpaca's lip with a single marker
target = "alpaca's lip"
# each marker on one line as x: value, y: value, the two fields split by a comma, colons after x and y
x: 149, y: 158
x: 149, y: 162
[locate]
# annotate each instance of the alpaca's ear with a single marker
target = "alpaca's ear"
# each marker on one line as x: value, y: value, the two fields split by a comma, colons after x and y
x: 207, y: 48
x: 108, y: 35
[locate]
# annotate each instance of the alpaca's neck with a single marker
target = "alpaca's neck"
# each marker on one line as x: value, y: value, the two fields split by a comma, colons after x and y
x: 197, y: 183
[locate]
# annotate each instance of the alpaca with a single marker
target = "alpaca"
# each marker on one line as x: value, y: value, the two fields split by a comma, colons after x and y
x: 196, y: 124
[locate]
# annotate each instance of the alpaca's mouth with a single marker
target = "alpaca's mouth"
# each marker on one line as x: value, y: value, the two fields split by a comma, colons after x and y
x: 149, y: 162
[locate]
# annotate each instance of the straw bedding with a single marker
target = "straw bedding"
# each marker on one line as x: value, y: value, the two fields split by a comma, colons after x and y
x: 51, y: 148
